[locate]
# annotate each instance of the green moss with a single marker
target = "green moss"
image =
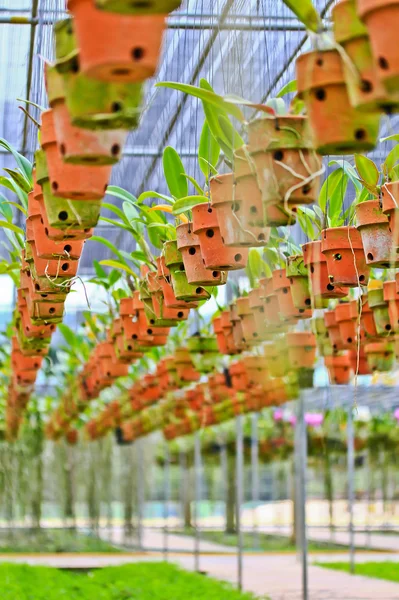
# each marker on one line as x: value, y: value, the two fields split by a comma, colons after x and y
x: 144, y: 581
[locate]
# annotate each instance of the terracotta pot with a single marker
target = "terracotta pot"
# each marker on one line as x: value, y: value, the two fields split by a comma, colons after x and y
x: 74, y: 182
x: 298, y: 276
x: 323, y: 342
x: 25, y: 363
x: 164, y: 278
x: 301, y: 349
x: 334, y: 333
x: 346, y: 262
x: 282, y: 287
x: 237, y: 329
x: 214, y: 253
x: 391, y: 296
x: 390, y: 206
x: 346, y: 318
x: 379, y: 306
x: 322, y: 86
x: 125, y: 350
x: 287, y: 168
x: 239, y: 377
x: 320, y: 284
x: 189, y: 246
x: 249, y: 328
x: 80, y: 146
x: 367, y: 320
x: 359, y: 362
x: 366, y: 92
x: 276, y: 353
x: 105, y: 43
x: 68, y: 250
x: 257, y: 305
x: 381, y: 18
x: 58, y: 269
x: 271, y: 304
x: 239, y: 210
x: 227, y: 327
x: 183, y: 291
x: 377, y: 238
x: 257, y: 370
x: 136, y: 8
x: 339, y: 369
x: 380, y: 356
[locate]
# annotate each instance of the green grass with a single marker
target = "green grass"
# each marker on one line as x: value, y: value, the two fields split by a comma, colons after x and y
x: 51, y: 541
x: 266, y: 542
x: 141, y: 581
x: 378, y: 570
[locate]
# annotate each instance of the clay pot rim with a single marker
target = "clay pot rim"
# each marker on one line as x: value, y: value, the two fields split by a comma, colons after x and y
x: 347, y: 233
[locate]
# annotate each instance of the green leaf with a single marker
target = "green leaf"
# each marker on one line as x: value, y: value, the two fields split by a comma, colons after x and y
x: 212, y: 113
x: 22, y: 162
x: 195, y: 184
x: 114, y: 277
x: 391, y: 160
x: 118, y: 192
x: 174, y: 172
x: 17, y: 206
x: 368, y: 172
x: 108, y: 244
x: 117, y: 211
x: 70, y: 337
x: 206, y: 96
x: 336, y: 200
x: 206, y: 167
x: 230, y: 134
x: 391, y: 138
x: 306, y: 13
x: 20, y: 180
x: 332, y: 182
x: 208, y: 151
x: 129, y: 211
x: 5, y: 182
x: 12, y: 227
x: 288, y: 88
x: 350, y: 171
x: 278, y: 106
x: 185, y: 204
x: 146, y: 195
x: 101, y: 274
x: 6, y: 211
x: 119, y: 265
x: 255, y: 266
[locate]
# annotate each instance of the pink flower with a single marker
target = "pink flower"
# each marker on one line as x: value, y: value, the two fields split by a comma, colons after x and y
x: 396, y: 414
x: 278, y: 415
x: 314, y: 419
x: 292, y: 420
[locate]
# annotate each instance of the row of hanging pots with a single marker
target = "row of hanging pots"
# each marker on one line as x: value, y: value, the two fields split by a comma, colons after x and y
x: 277, y: 171
x: 361, y: 78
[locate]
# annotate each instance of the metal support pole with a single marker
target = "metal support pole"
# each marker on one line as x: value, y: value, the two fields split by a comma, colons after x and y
x: 255, y: 476
x: 140, y: 492
x: 368, y: 499
x: 197, y: 479
x: 239, y: 496
x: 183, y: 485
x: 301, y: 449
x: 166, y: 503
x: 224, y: 475
x: 351, y: 488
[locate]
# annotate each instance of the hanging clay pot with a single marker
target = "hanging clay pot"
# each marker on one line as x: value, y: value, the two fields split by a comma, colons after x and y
x: 239, y: 377
x: 257, y: 370
x: 367, y: 320
x: 281, y: 286
x: 148, y: 7
x: 276, y: 354
x: 125, y: 350
x: 391, y: 296
x: 204, y: 352
x: 159, y: 315
x: 238, y: 205
x: 346, y: 316
x: 320, y: 284
x: 377, y: 237
x: 359, y: 362
x: 74, y: 182
x: 339, y: 369
x: 390, y: 207
x: 380, y: 356
x: 379, y: 306
x: 186, y: 372
x: 249, y: 328
x: 227, y: 326
x: 164, y: 278
x: 301, y: 346
x: 214, y: 253
x: 68, y: 250
x: 334, y: 334
x: 237, y: 328
x: 322, y: 86
x: 319, y: 328
x: 80, y: 146
x: 381, y: 18
x: 298, y: 276
x: 57, y: 269
x: 25, y: 363
x: 257, y: 306
x: 77, y: 217
x: 189, y: 246
x: 286, y: 165
x: 271, y: 304
x: 115, y: 47
x: 365, y: 88
x: 346, y: 262
x: 181, y: 288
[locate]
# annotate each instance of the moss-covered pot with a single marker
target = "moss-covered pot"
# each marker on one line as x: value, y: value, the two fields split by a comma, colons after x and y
x: 182, y: 289
x: 149, y: 7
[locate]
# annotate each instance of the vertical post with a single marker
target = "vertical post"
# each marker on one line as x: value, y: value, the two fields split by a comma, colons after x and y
x: 368, y: 498
x: 166, y: 503
x: 255, y: 476
x: 183, y: 486
x: 224, y: 475
x: 351, y: 488
x: 140, y: 491
x: 239, y: 495
x: 197, y: 485
x: 301, y: 450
